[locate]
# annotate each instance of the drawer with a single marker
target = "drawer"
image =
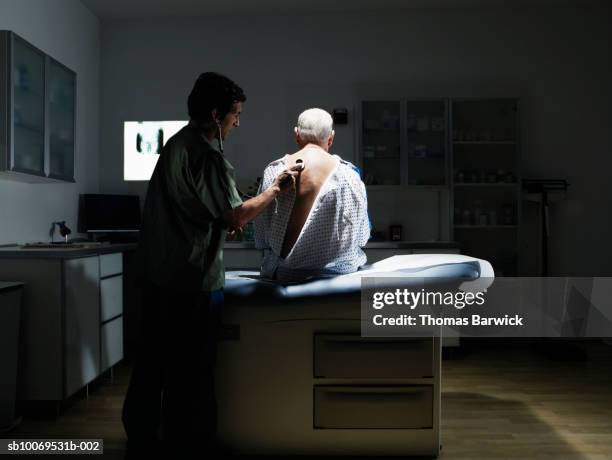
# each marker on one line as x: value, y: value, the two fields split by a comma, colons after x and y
x: 374, y: 407
x: 111, y: 343
x: 111, y: 264
x: 111, y: 297
x: 355, y: 357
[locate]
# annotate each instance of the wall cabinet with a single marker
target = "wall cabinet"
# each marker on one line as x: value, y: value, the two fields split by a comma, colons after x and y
x: 410, y: 145
x: 37, y: 113
x: 404, y: 142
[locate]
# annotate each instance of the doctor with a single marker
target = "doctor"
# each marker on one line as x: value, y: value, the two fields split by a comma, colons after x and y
x: 191, y: 203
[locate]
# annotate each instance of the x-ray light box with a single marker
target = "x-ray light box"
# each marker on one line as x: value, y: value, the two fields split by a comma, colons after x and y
x: 142, y: 144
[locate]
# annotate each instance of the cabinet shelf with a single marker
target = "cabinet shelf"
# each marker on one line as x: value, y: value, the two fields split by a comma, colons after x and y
x: 399, y: 187
x: 426, y: 132
x: 27, y: 92
x: 485, y: 184
x: 30, y: 128
x: 484, y: 142
x: 381, y: 157
x: 386, y: 131
x: 480, y: 227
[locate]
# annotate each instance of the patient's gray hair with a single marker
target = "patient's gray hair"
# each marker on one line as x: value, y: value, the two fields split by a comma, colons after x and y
x: 315, y: 125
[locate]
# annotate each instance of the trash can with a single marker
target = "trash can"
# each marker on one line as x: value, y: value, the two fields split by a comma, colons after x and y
x: 10, y: 310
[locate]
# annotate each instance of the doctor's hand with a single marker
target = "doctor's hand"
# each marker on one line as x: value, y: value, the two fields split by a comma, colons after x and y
x: 286, y: 180
x: 233, y: 234
x: 237, y: 218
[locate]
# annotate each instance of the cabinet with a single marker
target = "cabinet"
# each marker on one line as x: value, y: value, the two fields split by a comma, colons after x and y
x: 37, y: 113
x: 298, y: 377
x: 404, y: 142
x: 72, y: 322
x: 111, y: 310
x: 295, y: 375
x: 486, y: 180
x: 10, y: 317
x: 409, y: 145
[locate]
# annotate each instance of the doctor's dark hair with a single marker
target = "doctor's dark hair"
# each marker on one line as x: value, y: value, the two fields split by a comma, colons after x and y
x: 213, y: 91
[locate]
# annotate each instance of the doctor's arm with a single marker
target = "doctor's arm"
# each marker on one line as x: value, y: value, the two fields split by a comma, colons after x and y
x: 238, y: 217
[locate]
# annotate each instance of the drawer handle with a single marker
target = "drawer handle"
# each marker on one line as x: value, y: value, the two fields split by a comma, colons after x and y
x: 371, y: 341
x: 361, y: 393
x: 374, y: 346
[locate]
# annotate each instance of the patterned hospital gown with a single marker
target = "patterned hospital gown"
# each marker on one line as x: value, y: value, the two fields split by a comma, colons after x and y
x: 332, y: 236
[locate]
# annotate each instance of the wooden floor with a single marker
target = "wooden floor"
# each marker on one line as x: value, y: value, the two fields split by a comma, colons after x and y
x: 501, y: 400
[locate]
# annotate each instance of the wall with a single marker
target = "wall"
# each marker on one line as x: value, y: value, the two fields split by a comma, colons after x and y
x: 556, y: 60
x: 70, y: 33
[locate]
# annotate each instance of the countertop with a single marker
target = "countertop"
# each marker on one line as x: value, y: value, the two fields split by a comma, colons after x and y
x: 62, y: 252
x: 10, y: 285
x: 371, y: 245
x: 67, y: 252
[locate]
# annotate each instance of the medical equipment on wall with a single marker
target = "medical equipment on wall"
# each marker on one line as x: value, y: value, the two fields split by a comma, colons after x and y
x: 543, y: 188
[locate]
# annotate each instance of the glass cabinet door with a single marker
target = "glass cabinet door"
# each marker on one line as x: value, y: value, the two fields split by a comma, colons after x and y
x: 426, y: 127
x: 28, y: 111
x: 61, y: 86
x: 381, y: 142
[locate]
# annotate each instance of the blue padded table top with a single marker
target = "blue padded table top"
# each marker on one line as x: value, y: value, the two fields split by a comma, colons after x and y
x: 243, y: 285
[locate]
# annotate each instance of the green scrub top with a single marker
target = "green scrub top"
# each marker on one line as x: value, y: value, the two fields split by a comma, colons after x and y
x: 182, y: 232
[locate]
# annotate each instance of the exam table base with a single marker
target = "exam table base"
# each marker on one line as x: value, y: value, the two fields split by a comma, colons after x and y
x: 270, y: 398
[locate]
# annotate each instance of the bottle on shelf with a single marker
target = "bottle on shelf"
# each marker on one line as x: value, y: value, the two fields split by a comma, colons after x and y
x: 508, y: 214
x: 492, y: 217
x: 477, y: 212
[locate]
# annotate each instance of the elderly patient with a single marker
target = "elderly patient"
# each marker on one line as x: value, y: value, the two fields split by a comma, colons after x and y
x: 320, y: 228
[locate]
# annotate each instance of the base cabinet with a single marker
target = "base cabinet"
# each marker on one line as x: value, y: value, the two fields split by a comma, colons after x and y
x: 81, y: 322
x: 300, y: 380
x: 111, y: 343
x: 72, y: 322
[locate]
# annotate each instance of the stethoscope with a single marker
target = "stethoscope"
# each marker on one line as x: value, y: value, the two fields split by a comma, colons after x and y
x: 299, y: 166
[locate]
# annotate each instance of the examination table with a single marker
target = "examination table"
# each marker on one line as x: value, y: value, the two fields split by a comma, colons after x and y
x: 295, y: 377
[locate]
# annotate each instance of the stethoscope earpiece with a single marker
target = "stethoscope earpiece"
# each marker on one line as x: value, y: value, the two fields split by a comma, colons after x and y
x: 220, y: 136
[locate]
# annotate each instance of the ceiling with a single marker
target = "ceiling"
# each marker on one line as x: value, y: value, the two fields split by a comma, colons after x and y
x: 158, y: 9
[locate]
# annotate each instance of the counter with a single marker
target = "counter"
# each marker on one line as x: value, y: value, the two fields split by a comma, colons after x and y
x: 371, y: 245
x: 244, y: 255
x: 63, y: 252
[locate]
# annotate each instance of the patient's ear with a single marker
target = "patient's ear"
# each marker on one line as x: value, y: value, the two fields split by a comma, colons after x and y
x: 330, y: 141
x: 296, y: 131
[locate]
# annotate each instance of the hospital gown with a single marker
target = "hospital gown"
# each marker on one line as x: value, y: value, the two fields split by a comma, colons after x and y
x: 331, y: 239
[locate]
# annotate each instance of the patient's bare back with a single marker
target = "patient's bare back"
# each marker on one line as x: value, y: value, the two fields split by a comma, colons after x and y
x: 318, y: 166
